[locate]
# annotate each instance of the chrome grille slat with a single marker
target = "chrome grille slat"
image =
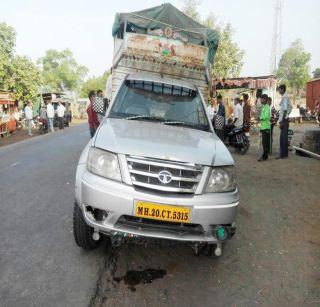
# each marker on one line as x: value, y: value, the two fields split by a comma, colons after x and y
x: 160, y: 188
x: 174, y: 165
x: 144, y: 173
x: 155, y: 175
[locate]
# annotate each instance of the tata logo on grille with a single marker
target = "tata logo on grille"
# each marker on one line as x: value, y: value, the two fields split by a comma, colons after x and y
x: 165, y: 177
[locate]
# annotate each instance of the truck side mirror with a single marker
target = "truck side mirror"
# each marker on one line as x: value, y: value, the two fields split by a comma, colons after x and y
x: 100, y: 105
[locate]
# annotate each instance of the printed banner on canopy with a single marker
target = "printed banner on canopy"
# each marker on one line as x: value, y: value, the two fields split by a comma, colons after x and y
x: 165, y: 50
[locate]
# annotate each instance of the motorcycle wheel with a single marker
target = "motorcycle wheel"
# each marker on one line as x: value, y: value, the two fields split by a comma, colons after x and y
x: 244, y: 149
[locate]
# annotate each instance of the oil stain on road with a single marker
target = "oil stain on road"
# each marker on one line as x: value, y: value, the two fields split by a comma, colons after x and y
x: 134, y: 278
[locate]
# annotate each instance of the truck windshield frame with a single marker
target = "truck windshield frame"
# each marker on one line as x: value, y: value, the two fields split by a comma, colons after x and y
x: 160, y: 102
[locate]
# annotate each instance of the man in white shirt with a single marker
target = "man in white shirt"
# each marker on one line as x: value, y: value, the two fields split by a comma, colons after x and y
x: 211, y: 110
x: 238, y: 113
x: 50, y: 115
x: 29, y: 117
x: 61, y: 110
x: 285, y: 110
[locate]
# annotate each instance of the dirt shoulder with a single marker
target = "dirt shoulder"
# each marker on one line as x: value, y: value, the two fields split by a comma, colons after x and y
x: 273, y: 260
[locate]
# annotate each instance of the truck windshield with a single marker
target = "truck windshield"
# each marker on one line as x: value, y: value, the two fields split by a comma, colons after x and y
x: 159, y: 102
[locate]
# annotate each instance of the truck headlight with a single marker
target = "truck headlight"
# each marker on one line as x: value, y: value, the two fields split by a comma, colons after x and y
x: 222, y: 179
x: 103, y: 163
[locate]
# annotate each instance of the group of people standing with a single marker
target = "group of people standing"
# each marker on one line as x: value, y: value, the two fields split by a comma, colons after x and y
x: 46, y: 112
x: 268, y: 119
x: 241, y: 116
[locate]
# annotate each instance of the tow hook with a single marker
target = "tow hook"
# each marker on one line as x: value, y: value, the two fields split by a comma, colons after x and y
x: 218, y: 250
x: 96, y: 235
x: 196, y: 249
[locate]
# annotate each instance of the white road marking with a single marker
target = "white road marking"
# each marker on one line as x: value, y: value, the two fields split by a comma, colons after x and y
x: 14, y: 164
x: 11, y: 165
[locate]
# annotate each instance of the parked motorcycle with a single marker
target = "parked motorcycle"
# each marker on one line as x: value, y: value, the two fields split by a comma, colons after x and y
x: 305, y: 114
x: 239, y: 139
x: 43, y: 125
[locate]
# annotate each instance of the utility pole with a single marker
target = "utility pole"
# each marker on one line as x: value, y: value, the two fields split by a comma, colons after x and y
x: 276, y: 37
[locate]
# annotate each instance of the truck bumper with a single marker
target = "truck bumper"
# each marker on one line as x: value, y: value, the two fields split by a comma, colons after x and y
x: 117, y: 200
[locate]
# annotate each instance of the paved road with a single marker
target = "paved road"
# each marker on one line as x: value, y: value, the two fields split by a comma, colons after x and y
x: 273, y: 260
x: 39, y: 262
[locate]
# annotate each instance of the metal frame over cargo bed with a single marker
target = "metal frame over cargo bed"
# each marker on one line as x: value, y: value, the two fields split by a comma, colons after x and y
x: 140, y: 53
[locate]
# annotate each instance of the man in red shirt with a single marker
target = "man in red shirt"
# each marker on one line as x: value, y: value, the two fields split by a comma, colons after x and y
x: 92, y: 115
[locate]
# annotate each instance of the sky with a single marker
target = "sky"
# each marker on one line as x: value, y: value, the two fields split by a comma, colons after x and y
x: 85, y: 27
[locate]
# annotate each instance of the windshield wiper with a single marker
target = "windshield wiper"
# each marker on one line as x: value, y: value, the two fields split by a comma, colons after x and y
x: 185, y: 124
x: 144, y: 117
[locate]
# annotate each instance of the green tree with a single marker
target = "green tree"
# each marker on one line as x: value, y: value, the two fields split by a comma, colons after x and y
x: 61, y: 72
x: 94, y: 83
x: 18, y: 74
x: 191, y: 9
x: 23, y: 79
x: 293, y: 67
x: 228, y: 60
x: 316, y: 73
x: 7, y: 43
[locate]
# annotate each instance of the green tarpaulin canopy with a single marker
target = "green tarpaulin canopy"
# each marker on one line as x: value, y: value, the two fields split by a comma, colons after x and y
x: 162, y: 16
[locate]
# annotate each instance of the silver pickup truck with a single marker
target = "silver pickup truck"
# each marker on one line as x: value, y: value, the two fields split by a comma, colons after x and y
x: 156, y: 169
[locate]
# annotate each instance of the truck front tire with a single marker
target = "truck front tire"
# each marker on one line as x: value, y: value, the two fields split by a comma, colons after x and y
x: 81, y: 231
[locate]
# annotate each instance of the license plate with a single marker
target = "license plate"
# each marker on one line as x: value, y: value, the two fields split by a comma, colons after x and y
x: 162, y: 212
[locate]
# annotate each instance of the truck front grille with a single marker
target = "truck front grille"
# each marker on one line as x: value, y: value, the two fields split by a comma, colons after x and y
x: 144, y: 172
